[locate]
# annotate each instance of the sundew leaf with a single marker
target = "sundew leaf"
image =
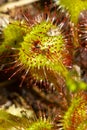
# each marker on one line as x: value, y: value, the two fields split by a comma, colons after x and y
x: 41, y: 53
x: 75, y: 117
x: 82, y: 126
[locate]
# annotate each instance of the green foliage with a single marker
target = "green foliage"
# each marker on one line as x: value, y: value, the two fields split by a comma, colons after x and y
x: 74, y: 7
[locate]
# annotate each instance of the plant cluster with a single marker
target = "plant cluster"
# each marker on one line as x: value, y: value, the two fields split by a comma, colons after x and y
x: 45, y: 49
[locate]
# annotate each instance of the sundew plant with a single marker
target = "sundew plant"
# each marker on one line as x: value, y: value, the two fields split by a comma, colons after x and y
x: 48, y: 50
